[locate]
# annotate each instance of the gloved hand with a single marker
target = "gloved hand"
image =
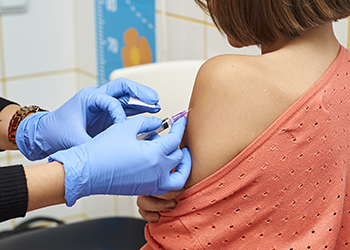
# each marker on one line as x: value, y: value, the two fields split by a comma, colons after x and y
x: 116, y: 163
x: 88, y: 113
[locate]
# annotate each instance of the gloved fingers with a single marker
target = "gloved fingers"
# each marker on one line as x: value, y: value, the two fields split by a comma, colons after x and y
x: 165, y: 183
x: 111, y: 105
x: 178, y: 178
x: 172, y: 140
x: 123, y: 86
x: 142, y: 123
x: 132, y: 108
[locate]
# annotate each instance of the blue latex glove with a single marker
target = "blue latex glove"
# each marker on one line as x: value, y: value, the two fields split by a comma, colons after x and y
x: 88, y: 113
x: 116, y: 163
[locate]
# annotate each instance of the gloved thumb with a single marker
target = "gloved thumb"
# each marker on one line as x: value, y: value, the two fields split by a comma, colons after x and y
x: 142, y: 123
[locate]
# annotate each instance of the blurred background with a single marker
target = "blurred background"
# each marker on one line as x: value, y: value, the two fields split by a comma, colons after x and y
x: 49, y: 51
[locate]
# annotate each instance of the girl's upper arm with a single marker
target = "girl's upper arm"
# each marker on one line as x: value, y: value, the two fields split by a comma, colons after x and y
x: 209, y: 134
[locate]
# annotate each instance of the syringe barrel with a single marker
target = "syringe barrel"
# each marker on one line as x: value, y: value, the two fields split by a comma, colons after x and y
x: 166, y: 123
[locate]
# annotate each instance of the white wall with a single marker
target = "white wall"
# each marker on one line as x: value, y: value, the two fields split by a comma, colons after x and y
x: 48, y: 53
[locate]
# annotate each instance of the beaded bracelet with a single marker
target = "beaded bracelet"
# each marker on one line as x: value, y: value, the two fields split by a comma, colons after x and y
x: 17, y: 118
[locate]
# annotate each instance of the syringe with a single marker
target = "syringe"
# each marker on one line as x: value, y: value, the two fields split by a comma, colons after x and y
x: 166, y: 123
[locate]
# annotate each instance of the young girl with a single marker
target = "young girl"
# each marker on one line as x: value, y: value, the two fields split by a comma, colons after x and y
x: 269, y: 135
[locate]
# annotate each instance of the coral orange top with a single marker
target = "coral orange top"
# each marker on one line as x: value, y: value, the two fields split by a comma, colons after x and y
x: 286, y: 190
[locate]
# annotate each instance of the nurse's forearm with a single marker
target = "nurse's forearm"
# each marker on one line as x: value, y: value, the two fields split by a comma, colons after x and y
x: 45, y: 184
x: 5, y: 117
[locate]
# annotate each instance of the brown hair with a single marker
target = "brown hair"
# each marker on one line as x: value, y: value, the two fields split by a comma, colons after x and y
x: 263, y: 21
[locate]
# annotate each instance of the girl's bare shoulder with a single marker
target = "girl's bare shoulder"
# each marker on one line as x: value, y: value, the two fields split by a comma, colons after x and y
x: 229, y: 95
x: 236, y: 98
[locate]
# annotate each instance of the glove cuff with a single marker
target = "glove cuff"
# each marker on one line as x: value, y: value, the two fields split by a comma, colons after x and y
x: 17, y: 118
x: 77, y: 183
x: 26, y: 137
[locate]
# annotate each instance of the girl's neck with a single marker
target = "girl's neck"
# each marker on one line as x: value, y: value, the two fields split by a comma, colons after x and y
x: 321, y: 37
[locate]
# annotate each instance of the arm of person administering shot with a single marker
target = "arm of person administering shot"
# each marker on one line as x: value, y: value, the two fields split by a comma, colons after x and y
x: 109, y: 160
x: 114, y: 162
x: 85, y: 115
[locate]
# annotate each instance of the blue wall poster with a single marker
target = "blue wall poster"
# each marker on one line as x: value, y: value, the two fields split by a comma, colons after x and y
x: 125, y: 34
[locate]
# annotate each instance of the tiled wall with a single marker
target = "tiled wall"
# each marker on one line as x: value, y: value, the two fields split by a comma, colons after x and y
x: 48, y: 53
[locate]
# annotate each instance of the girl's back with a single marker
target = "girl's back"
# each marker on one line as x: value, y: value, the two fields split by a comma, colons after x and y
x: 236, y: 98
